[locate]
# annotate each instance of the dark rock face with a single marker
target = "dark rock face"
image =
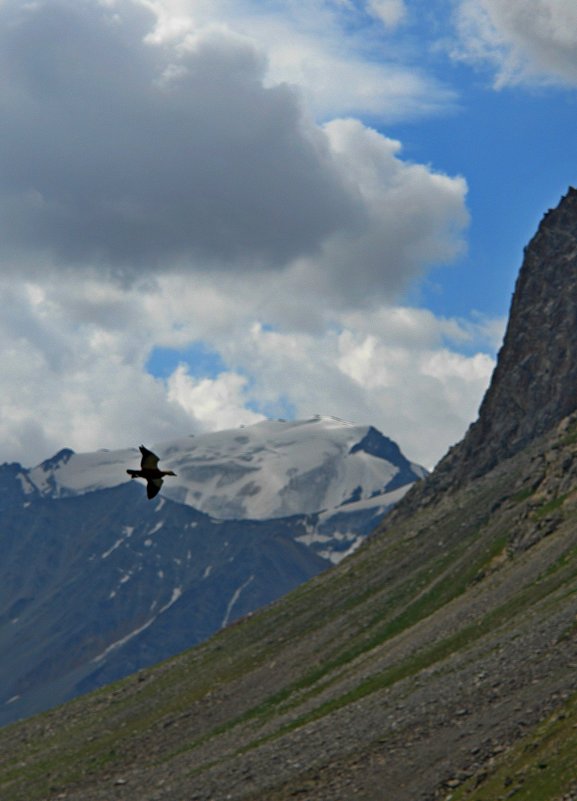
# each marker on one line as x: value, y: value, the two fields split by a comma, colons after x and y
x: 376, y: 444
x: 534, y: 385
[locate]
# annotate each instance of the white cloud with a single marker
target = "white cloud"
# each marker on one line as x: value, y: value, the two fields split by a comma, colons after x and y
x: 401, y: 377
x: 396, y: 367
x: 341, y: 55
x: 146, y: 156
x: 174, y: 155
x: 217, y: 403
x: 170, y: 158
x: 413, y: 216
x: 75, y: 382
x: 525, y: 40
x: 391, y: 12
x: 73, y: 368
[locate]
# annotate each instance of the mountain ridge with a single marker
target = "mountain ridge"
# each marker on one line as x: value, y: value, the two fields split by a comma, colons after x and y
x: 534, y: 383
x: 275, y: 468
x: 155, y: 577
x: 536, y: 374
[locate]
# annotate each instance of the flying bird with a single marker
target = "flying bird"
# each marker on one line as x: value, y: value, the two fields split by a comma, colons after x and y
x: 149, y: 471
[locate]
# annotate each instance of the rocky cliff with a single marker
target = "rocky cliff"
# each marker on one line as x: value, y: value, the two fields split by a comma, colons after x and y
x: 534, y: 385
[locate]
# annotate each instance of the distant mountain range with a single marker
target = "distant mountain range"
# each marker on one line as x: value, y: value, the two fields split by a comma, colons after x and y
x: 97, y: 582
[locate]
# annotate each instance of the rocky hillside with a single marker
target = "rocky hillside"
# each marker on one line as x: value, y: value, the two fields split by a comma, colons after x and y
x: 437, y: 662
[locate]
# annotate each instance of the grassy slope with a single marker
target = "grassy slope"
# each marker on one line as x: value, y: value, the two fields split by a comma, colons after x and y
x: 452, y: 593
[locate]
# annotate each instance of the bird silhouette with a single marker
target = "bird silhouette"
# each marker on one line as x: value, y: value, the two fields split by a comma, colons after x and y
x: 150, y: 472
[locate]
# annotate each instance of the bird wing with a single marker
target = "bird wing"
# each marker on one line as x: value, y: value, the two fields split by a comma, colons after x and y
x: 149, y: 459
x: 153, y: 486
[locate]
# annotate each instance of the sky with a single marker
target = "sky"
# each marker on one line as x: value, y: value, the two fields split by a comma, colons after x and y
x: 214, y: 212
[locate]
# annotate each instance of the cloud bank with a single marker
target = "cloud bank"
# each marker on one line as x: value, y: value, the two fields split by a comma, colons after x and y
x: 132, y: 155
x: 153, y: 156
x: 73, y: 369
x: 163, y: 182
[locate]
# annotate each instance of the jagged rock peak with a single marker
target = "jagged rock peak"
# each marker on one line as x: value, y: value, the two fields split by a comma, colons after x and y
x: 534, y: 384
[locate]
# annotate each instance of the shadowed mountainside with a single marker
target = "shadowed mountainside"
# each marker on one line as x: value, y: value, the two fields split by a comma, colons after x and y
x: 97, y: 582
x: 437, y: 662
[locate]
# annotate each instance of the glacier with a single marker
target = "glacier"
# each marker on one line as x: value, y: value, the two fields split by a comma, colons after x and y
x: 271, y: 469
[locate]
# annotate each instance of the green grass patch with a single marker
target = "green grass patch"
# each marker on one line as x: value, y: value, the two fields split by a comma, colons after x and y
x: 570, y: 436
x: 549, y: 508
x: 523, y: 494
x: 56, y: 767
x: 564, y: 561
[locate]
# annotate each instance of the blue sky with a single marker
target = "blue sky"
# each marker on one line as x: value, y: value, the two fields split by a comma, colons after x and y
x: 515, y: 148
x: 215, y: 211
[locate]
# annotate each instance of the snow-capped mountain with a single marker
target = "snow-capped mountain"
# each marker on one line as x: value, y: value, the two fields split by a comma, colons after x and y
x: 268, y: 470
x: 96, y: 581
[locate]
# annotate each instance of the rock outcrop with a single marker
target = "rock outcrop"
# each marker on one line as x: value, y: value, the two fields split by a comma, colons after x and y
x: 534, y: 385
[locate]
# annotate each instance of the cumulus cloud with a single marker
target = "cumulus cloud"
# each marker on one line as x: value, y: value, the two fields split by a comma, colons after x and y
x: 343, y: 56
x: 73, y: 367
x: 66, y: 383
x: 128, y: 154
x: 162, y: 155
x: 528, y: 40
x: 216, y: 403
x: 153, y: 144
x: 414, y: 217
x: 399, y: 373
x: 396, y: 367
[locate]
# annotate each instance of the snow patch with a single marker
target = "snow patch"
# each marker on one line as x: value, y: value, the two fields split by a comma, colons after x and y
x: 116, y: 545
x: 176, y: 594
x: 126, y: 533
x: 27, y: 486
x: 235, y: 596
x: 337, y: 556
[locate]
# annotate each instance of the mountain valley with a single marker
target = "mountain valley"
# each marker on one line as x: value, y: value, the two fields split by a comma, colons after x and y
x: 438, y: 662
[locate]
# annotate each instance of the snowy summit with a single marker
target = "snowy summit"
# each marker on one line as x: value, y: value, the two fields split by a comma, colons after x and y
x: 271, y: 469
